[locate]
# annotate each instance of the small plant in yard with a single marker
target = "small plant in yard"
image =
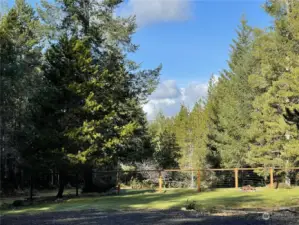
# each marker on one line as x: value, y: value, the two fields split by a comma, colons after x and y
x: 190, y: 205
x: 208, y: 209
x: 199, y: 208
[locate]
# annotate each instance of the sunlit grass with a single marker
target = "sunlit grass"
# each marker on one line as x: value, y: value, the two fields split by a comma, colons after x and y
x: 174, y: 198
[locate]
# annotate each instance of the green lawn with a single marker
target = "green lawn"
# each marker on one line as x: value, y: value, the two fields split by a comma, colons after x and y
x: 175, y: 198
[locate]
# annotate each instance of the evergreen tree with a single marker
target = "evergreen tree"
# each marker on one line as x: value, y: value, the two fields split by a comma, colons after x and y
x: 214, y: 129
x: 276, y: 82
x: 169, y: 152
x: 20, y: 80
x: 236, y: 105
x: 96, y: 92
x: 183, y: 131
x: 198, y: 123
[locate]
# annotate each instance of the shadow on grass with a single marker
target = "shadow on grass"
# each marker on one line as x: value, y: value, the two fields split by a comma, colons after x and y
x: 133, y: 200
x: 181, y: 199
x: 145, y: 199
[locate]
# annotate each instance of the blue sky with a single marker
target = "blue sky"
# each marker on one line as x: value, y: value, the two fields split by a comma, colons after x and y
x: 192, y: 42
x: 194, y: 48
x: 191, y: 39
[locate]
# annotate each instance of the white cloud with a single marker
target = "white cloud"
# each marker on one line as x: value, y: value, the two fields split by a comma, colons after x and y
x: 153, y: 11
x: 194, y: 91
x: 168, y: 97
x: 166, y: 89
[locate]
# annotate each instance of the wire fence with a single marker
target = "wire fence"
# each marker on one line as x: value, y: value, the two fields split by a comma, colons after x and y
x: 113, y: 182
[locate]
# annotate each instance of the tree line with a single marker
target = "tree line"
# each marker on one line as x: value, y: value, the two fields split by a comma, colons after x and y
x: 248, y: 117
x: 71, y: 98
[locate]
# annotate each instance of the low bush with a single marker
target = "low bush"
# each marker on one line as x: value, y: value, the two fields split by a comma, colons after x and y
x: 141, y: 184
x: 190, y: 205
x: 284, y: 186
x: 18, y: 203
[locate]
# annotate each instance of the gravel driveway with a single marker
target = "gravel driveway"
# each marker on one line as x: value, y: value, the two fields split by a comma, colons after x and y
x: 162, y: 217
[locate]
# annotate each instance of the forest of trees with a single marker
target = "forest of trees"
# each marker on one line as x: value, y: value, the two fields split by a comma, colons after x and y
x: 242, y: 123
x: 71, y: 99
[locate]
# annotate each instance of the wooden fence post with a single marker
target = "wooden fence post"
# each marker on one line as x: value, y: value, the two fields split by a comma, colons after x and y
x: 271, y: 177
x: 198, y: 181
x: 160, y: 181
x: 236, y: 178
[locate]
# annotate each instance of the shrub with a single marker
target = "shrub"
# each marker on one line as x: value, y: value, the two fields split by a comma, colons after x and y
x: 147, y: 168
x: 135, y: 184
x: 191, y: 205
x: 205, y: 186
x: 18, y: 203
x: 284, y: 186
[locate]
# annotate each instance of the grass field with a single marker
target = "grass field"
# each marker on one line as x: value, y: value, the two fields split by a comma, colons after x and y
x: 172, y: 199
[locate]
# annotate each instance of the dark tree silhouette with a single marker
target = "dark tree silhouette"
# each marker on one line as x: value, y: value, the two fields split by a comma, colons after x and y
x: 292, y: 117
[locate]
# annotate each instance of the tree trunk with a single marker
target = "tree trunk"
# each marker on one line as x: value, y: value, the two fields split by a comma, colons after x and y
x: 61, y: 185
x: 77, y: 184
x: 88, y: 180
x: 2, y: 158
x: 12, y: 173
x: 2, y: 168
x: 52, y: 178
x: 31, y: 187
x: 22, y: 179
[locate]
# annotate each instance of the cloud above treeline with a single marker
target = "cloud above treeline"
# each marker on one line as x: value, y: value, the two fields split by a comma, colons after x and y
x: 155, y: 11
x: 168, y: 97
